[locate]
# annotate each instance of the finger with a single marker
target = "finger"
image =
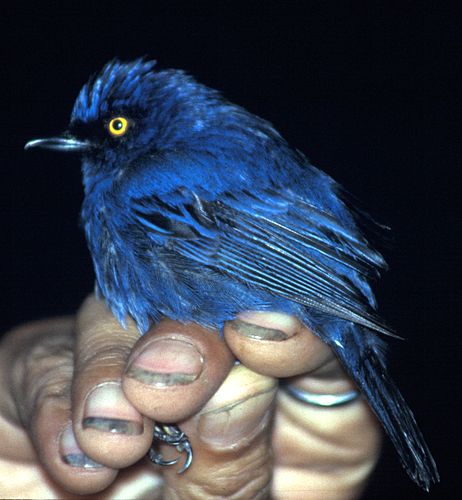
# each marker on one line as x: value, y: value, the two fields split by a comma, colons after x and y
x: 319, y: 451
x: 323, y: 452
x: 175, y: 369
x: 40, y: 370
x: 172, y: 371
x: 275, y: 344
x: 231, y: 442
x: 107, y: 426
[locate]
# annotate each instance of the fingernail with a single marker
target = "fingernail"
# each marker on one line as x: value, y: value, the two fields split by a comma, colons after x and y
x: 107, y: 410
x: 265, y: 326
x: 237, y: 421
x: 167, y: 362
x: 72, y: 455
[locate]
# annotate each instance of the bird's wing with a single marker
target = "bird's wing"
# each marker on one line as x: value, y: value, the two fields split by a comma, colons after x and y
x: 279, y: 243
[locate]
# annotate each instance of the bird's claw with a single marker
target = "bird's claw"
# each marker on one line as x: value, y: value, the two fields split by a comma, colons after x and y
x: 173, y: 436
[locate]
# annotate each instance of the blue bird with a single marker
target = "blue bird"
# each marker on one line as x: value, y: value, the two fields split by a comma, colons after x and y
x: 196, y: 209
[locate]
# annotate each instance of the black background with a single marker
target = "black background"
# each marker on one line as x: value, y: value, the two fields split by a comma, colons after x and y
x: 368, y: 90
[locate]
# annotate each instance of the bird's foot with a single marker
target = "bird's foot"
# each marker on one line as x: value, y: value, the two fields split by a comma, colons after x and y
x: 174, y: 436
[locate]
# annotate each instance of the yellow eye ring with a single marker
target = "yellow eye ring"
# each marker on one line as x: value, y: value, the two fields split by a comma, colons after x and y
x: 118, y: 126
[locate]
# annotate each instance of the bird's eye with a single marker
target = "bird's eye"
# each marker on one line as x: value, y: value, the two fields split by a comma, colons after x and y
x: 118, y: 126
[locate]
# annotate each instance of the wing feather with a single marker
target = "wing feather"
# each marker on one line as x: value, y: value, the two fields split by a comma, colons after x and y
x: 313, y: 260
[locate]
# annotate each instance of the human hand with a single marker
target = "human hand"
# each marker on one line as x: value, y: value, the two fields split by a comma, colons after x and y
x: 316, y: 451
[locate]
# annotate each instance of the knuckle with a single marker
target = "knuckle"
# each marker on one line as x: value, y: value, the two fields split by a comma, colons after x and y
x: 46, y: 360
x: 97, y: 350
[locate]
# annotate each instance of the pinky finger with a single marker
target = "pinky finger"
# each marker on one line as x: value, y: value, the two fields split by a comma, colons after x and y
x: 41, y: 381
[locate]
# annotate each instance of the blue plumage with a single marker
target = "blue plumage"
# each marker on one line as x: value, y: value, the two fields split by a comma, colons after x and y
x: 197, y: 210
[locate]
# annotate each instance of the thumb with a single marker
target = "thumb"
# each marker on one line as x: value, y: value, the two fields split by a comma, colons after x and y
x: 231, y: 439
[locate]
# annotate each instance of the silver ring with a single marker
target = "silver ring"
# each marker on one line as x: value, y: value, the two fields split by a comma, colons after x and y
x: 322, y: 400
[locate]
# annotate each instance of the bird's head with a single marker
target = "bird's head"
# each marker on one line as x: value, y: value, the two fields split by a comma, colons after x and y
x: 130, y: 109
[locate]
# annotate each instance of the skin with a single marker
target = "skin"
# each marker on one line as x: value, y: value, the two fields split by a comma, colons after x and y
x: 86, y: 389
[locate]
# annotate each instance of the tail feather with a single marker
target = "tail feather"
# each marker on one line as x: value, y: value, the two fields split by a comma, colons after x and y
x: 363, y: 355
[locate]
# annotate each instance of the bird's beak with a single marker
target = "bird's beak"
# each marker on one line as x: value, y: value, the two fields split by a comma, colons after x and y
x: 60, y: 144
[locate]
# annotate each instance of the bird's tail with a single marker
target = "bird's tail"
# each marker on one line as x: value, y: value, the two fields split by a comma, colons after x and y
x: 362, y: 353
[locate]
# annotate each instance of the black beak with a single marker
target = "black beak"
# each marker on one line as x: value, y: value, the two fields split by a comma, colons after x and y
x: 60, y: 144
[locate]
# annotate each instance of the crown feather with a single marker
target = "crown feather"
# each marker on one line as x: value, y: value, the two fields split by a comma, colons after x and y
x: 116, y: 81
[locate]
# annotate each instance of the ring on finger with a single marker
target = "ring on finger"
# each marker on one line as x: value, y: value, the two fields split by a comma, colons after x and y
x: 320, y: 400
